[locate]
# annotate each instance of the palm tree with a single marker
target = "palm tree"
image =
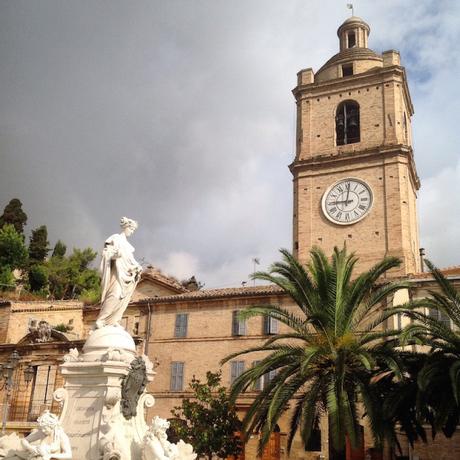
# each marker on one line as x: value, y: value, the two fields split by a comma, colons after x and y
x: 439, y: 379
x: 335, y: 343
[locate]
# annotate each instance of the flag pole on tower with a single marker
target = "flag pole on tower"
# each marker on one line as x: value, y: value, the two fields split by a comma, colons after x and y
x: 350, y: 7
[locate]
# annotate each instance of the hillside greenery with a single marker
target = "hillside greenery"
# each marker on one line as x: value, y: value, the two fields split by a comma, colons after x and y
x: 38, y: 270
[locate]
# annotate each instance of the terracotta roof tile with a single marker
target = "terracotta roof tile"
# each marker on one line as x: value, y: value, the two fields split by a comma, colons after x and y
x: 447, y: 271
x: 218, y: 293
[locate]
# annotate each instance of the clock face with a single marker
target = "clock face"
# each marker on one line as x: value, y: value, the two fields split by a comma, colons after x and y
x: 347, y: 201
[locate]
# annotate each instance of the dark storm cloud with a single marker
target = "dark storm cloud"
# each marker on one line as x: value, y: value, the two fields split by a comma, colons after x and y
x: 179, y: 114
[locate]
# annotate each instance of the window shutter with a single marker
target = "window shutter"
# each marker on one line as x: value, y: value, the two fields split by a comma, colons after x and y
x: 269, y: 376
x: 258, y: 382
x: 266, y: 325
x: 180, y: 376
x: 270, y: 325
x: 184, y: 324
x: 173, y: 377
x: 242, y: 325
x: 444, y: 319
x: 238, y: 325
x: 234, y: 371
x: 180, y: 329
x: 237, y: 368
x: 235, y: 325
x: 177, y: 376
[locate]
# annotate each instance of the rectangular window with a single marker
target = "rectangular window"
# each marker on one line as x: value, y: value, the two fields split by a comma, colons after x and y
x: 237, y: 368
x: 258, y: 383
x: 270, y: 325
x: 124, y: 323
x: 238, y: 325
x: 347, y: 70
x: 440, y: 316
x: 351, y: 39
x: 269, y: 376
x: 177, y: 376
x: 399, y: 322
x: 136, y: 325
x: 42, y: 390
x: 314, y: 443
x: 180, y: 329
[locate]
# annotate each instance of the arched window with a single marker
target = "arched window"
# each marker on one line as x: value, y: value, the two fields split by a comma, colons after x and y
x: 351, y: 39
x: 347, y: 123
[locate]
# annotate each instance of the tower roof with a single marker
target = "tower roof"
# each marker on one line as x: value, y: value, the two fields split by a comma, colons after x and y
x: 353, y: 38
x: 351, y: 23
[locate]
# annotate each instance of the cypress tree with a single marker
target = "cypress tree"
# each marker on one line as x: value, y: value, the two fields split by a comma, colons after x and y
x: 38, y: 246
x: 14, y: 215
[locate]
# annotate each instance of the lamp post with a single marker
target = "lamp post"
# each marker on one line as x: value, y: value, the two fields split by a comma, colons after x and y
x: 7, y: 373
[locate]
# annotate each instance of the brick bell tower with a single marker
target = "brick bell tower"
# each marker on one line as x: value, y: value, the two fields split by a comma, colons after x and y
x: 354, y: 173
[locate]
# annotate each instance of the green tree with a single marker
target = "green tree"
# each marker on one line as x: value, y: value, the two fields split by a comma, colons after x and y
x: 38, y: 278
x: 38, y: 245
x: 14, y: 215
x: 13, y: 252
x: 70, y: 276
x: 208, y: 421
x: 7, y: 281
x: 439, y: 379
x: 59, y: 249
x: 335, y: 344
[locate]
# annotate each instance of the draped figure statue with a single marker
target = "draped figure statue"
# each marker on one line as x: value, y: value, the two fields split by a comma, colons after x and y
x: 120, y: 275
x: 49, y: 442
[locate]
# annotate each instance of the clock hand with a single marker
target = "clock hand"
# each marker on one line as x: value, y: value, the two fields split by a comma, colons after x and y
x: 348, y: 191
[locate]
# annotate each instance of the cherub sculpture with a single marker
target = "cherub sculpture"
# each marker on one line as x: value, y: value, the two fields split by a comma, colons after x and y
x: 157, y: 447
x: 49, y: 442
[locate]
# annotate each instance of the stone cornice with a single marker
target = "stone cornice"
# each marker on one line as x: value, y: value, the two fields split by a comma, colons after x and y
x: 49, y: 308
x: 372, y: 77
x: 44, y: 345
x: 316, y: 162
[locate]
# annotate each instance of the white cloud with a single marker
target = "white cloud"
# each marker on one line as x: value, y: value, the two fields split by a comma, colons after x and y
x: 440, y: 217
x: 182, y: 265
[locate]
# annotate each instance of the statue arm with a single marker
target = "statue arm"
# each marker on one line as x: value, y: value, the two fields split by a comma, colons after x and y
x: 26, y: 442
x: 109, y: 253
x: 66, y: 450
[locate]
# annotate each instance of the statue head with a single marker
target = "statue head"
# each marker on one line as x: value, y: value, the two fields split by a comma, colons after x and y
x: 128, y: 226
x: 48, y: 422
x: 159, y: 426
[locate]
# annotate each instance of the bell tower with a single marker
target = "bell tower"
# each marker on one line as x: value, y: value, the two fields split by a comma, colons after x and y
x: 354, y: 174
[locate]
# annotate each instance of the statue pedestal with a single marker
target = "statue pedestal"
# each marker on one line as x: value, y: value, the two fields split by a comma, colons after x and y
x: 104, y: 397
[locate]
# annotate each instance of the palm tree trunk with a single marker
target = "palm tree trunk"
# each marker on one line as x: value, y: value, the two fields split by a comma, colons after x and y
x: 335, y: 454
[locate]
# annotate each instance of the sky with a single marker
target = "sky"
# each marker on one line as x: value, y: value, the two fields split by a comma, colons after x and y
x: 179, y: 114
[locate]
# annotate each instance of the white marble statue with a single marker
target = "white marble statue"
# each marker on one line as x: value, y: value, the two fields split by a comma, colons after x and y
x: 47, y: 443
x: 120, y: 275
x: 112, y: 443
x: 157, y: 447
